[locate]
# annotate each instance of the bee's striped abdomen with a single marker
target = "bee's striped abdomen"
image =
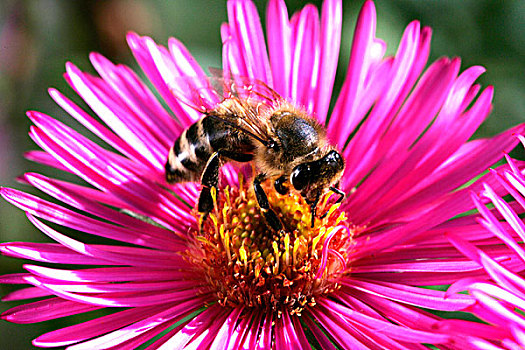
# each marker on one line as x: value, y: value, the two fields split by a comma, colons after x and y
x: 192, y: 150
x: 189, y: 154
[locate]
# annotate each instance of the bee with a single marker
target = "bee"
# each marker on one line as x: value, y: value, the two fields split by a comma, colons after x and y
x: 253, y: 123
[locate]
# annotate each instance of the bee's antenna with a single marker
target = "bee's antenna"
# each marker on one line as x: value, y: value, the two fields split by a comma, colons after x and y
x: 339, y: 200
x: 339, y: 192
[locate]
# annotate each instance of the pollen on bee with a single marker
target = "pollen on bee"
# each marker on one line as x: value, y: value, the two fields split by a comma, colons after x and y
x: 247, y: 263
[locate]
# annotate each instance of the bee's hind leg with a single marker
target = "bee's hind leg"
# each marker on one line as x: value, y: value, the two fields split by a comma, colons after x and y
x: 209, y: 180
x: 262, y: 199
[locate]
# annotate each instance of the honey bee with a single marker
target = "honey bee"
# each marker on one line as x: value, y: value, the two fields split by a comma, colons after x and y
x: 253, y: 123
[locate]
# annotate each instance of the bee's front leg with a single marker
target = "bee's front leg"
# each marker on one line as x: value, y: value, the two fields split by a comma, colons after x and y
x: 262, y: 199
x: 313, y: 208
x: 209, y: 179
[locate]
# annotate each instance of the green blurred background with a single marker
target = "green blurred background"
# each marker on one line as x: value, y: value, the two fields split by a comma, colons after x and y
x: 38, y: 37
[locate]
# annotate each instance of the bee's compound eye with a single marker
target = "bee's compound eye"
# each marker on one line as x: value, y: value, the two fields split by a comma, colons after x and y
x: 301, y: 176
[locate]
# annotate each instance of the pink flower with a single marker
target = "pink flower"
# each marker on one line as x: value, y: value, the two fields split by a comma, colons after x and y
x: 354, y: 280
x: 500, y: 300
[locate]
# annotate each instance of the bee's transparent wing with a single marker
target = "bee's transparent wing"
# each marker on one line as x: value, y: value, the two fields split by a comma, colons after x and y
x: 229, y: 85
x: 206, y: 93
x: 197, y: 92
x: 256, y: 97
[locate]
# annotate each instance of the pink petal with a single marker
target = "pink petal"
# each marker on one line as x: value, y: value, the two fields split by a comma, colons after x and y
x: 136, y: 98
x: 265, y: 338
x: 319, y: 335
x: 412, y: 120
x: 393, y: 331
x: 365, y: 50
x: 339, y: 331
x: 45, y: 159
x: 68, y: 195
x: 330, y: 41
x: 195, y: 327
x: 14, y: 278
x: 92, y: 328
x: 305, y: 58
x: 426, y: 298
x: 120, y: 299
x: 503, y: 276
x: 433, y: 148
x: 112, y: 274
x: 225, y: 333
x: 120, y: 181
x: 26, y: 293
x: 247, y: 35
x: 246, y: 330
x: 44, y: 310
x: 113, y: 254
x: 160, y: 68
x: 365, y: 141
x: 62, y: 216
x: 95, y: 127
x: 124, y: 125
x: 50, y: 253
x: 162, y: 314
x: 279, y: 45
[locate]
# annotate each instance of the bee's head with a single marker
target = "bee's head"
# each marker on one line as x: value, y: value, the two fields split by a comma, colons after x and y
x: 313, y: 178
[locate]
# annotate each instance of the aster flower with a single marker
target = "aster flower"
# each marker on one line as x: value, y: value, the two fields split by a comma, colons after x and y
x: 500, y: 300
x: 353, y: 280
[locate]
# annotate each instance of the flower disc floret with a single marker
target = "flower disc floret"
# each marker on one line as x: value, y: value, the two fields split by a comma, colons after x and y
x: 247, y: 263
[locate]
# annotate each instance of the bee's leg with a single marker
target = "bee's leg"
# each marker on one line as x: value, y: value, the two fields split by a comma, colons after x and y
x: 339, y: 192
x: 313, y: 208
x: 339, y: 200
x: 202, y: 220
x: 209, y: 179
x: 280, y: 186
x: 262, y: 199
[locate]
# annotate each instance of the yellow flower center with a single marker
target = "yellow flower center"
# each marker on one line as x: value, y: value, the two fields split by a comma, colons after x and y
x: 248, y: 263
